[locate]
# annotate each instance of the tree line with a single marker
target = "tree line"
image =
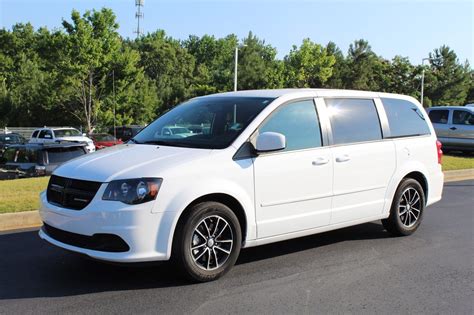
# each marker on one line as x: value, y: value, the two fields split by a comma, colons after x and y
x: 74, y: 75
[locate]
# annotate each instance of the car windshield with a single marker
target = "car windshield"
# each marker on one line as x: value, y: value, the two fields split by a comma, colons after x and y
x: 67, y: 133
x: 60, y: 155
x: 207, y: 122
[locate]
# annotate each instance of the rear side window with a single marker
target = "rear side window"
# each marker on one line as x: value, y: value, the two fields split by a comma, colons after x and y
x: 353, y: 120
x: 298, y: 122
x: 439, y: 116
x: 462, y: 117
x: 60, y: 155
x: 404, y: 118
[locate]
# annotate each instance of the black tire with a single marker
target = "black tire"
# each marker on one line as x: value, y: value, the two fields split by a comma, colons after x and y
x: 214, y: 261
x: 401, y: 223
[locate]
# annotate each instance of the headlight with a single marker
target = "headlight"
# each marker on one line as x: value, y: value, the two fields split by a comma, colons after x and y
x: 133, y: 191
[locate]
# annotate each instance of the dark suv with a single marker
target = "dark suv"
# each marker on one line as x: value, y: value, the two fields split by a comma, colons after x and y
x: 9, y: 139
x: 30, y: 160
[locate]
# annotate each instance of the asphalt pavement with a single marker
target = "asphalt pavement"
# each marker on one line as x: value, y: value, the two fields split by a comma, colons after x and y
x: 361, y: 269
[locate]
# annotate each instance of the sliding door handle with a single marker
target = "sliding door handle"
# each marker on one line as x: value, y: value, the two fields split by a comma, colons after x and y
x: 320, y: 161
x: 343, y: 158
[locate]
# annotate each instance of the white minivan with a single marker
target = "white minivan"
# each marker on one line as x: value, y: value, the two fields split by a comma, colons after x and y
x: 258, y: 167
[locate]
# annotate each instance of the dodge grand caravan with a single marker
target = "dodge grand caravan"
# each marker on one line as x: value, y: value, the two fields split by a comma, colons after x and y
x: 259, y: 167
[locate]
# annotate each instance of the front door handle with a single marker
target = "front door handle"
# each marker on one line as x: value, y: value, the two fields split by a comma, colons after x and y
x: 453, y: 128
x: 320, y: 161
x: 343, y: 158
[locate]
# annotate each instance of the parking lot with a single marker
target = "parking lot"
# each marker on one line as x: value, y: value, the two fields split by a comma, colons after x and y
x: 359, y: 269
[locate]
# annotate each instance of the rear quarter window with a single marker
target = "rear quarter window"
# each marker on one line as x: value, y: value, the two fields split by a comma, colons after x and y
x: 61, y: 155
x: 405, y: 119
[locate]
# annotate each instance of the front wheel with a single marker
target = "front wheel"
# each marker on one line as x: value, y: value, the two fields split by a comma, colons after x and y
x: 208, y: 242
x: 407, y: 208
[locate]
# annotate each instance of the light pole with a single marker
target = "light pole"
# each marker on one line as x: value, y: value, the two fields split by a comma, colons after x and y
x: 423, y: 77
x: 235, y: 64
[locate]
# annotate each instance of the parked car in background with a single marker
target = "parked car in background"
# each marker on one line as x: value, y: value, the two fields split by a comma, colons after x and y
x: 58, y: 135
x: 104, y: 140
x: 454, y: 126
x: 30, y: 160
x: 9, y: 139
x: 125, y: 133
x: 272, y: 165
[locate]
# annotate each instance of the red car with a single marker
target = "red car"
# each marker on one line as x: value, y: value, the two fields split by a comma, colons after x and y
x: 103, y: 140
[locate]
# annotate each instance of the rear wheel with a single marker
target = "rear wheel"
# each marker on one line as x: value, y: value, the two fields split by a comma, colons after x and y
x: 208, y: 242
x: 407, y: 208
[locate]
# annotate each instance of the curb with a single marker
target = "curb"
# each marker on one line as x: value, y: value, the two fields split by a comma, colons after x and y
x: 452, y: 176
x: 28, y: 219
x: 19, y: 220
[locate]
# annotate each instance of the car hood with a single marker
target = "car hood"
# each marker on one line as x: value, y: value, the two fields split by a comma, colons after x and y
x: 75, y: 139
x: 128, y: 161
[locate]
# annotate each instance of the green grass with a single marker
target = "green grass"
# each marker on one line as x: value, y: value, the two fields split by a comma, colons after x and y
x: 21, y: 194
x: 451, y: 162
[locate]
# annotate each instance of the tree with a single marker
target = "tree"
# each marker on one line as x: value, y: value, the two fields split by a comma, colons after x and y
x: 447, y: 81
x: 92, y: 45
x: 310, y: 65
x: 168, y: 65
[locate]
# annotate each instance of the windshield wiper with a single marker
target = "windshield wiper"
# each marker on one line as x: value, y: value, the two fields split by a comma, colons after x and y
x: 169, y: 143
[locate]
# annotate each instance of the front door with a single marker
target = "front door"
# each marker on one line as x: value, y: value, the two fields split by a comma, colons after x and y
x: 293, y: 187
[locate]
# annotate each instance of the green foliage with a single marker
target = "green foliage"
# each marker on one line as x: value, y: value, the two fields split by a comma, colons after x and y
x: 310, y: 65
x: 68, y: 76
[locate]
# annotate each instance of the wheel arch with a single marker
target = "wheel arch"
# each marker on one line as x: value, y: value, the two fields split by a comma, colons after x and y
x: 223, y: 198
x: 420, y: 178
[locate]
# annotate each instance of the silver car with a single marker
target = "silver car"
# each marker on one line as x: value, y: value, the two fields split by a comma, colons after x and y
x: 454, y: 126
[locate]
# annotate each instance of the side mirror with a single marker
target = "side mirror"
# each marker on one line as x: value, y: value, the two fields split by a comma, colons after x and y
x: 84, y: 135
x: 270, y: 141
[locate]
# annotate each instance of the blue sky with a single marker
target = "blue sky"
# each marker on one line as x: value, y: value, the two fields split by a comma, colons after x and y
x: 392, y: 27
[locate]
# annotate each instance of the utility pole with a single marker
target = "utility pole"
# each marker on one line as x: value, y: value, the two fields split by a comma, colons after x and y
x: 113, y: 92
x: 423, y: 77
x: 236, y: 61
x: 139, y: 15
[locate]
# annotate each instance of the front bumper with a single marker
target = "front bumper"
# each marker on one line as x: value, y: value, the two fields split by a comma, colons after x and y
x: 148, y: 235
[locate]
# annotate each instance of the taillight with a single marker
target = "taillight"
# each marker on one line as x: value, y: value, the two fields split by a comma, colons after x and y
x: 438, y: 149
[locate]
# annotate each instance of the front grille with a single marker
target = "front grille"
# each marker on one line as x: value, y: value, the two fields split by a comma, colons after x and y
x: 100, y: 242
x: 71, y: 193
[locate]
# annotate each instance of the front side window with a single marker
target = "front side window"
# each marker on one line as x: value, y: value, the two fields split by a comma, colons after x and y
x: 298, y: 122
x: 439, y: 116
x: 353, y: 120
x: 207, y: 122
x: 462, y: 117
x: 404, y: 118
x: 45, y: 134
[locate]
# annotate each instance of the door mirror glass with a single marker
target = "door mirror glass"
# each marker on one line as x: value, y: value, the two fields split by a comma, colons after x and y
x: 270, y: 141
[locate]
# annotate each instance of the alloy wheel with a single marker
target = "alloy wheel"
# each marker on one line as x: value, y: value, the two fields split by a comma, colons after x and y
x: 212, y: 242
x: 409, y: 207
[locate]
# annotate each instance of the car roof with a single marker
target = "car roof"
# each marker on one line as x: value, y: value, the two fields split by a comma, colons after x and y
x: 471, y: 109
x: 276, y: 93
